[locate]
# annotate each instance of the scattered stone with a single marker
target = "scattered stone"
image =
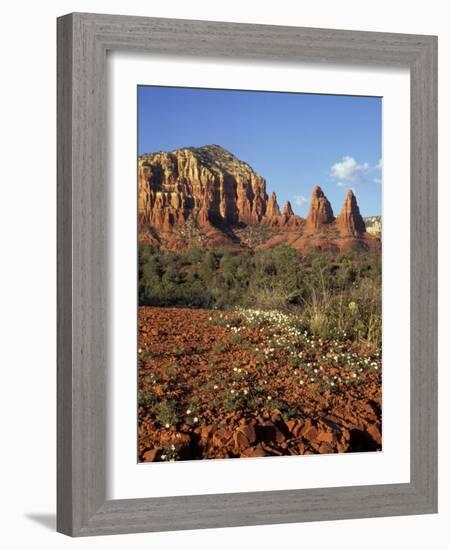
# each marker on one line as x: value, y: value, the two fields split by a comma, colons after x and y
x: 291, y: 425
x: 345, y: 420
x: 254, y: 452
x: 249, y: 432
x: 327, y: 437
x: 271, y: 450
x: 276, y: 416
x: 205, y: 432
x: 374, y: 432
x: 342, y: 446
x: 244, y: 437
x: 221, y: 437
x: 326, y: 448
x: 310, y: 433
x: 151, y: 455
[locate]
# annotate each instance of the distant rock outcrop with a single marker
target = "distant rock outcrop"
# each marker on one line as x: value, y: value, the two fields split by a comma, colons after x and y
x: 272, y: 209
x: 349, y: 221
x: 208, y: 197
x: 373, y: 225
x: 288, y: 210
x: 320, y: 211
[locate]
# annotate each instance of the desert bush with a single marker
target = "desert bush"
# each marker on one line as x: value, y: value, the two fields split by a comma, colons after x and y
x: 166, y: 413
x: 171, y: 369
x: 147, y: 399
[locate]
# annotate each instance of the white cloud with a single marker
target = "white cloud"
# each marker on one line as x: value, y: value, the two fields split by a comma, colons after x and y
x: 299, y: 200
x: 349, y: 172
x: 348, y: 169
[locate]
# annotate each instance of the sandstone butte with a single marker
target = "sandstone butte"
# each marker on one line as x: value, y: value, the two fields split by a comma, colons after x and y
x: 206, y: 196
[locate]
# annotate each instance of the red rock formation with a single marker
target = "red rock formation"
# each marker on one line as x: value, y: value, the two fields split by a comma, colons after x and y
x: 349, y: 221
x: 207, y: 197
x: 206, y: 184
x: 289, y: 219
x: 288, y: 210
x: 320, y: 211
x: 272, y: 210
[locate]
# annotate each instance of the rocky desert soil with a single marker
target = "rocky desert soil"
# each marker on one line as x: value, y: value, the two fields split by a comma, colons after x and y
x: 251, y: 383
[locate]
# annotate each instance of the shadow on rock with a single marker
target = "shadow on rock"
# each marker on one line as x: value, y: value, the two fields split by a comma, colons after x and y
x: 361, y: 441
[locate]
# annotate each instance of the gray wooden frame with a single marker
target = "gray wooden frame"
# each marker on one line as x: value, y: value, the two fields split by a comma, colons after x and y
x: 83, y: 40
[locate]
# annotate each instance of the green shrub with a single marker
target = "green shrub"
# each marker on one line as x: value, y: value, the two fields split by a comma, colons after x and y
x: 146, y: 398
x: 166, y: 413
x: 318, y: 287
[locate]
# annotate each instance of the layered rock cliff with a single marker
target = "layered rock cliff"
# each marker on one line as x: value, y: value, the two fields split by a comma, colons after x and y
x: 207, y: 184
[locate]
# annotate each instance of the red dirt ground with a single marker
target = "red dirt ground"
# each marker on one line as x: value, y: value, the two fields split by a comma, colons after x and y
x: 227, y: 385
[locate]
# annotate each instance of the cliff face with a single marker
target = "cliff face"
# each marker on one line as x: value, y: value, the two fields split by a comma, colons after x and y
x: 207, y: 184
x: 209, y: 192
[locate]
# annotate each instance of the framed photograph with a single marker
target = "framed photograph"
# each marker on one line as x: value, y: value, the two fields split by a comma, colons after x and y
x: 247, y: 280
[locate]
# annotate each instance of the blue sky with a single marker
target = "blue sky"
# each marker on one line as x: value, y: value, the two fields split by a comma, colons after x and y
x: 295, y: 141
